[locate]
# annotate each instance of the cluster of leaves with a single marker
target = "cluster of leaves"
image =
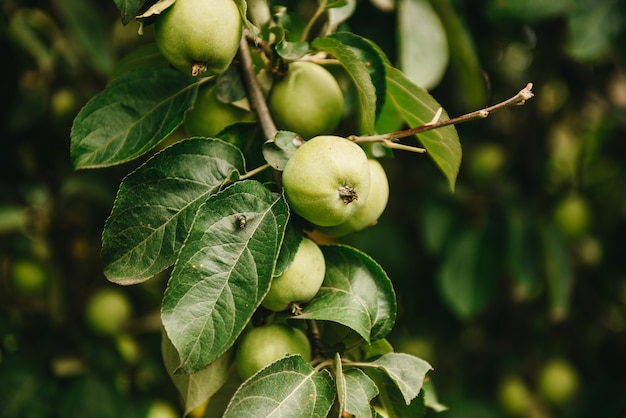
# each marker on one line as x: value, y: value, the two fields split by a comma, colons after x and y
x: 475, y: 324
x: 182, y: 207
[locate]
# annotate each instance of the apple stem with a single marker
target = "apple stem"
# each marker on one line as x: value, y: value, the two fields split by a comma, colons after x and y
x: 390, y: 139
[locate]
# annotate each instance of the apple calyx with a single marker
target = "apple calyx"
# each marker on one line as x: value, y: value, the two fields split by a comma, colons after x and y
x: 348, y: 194
x: 198, y: 68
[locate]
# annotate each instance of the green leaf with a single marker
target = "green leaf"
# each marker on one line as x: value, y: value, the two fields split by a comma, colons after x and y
x: 287, y: 388
x: 418, y: 108
x: 464, y: 62
x: 291, y: 242
x: 84, y: 22
x: 430, y: 397
x: 229, y: 86
x: 526, y: 11
x: 423, y: 45
x: 559, y: 272
x: 360, y: 75
x: 156, y: 9
x: 406, y: 371
x: 356, y: 292
x: 437, y: 222
x: 522, y: 253
x: 278, y: 150
x: 373, y: 59
x: 359, y: 391
x: 592, y: 28
x: 341, y: 13
x: 292, y: 50
x: 217, y: 404
x: 223, y: 271
x: 195, y: 388
x: 467, y: 275
x: 130, y: 116
x: 27, y: 388
x: 128, y: 9
x: 329, y: 4
x: 392, y: 399
x: 156, y: 204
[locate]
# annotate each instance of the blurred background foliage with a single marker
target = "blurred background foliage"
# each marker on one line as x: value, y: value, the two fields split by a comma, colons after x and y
x: 513, y: 286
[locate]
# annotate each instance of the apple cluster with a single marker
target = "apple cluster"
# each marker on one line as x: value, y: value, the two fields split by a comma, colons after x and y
x: 329, y: 181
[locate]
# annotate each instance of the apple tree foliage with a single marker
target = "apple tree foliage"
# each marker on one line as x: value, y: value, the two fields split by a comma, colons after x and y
x: 494, y: 267
x: 181, y: 211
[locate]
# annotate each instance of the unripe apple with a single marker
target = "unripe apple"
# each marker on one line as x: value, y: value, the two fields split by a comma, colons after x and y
x: 210, y: 115
x: 307, y: 100
x: 327, y: 180
x: 108, y: 310
x: 162, y: 409
x: 266, y: 344
x: 558, y: 381
x: 29, y: 276
x: 301, y: 281
x: 371, y: 210
x: 486, y: 161
x: 514, y: 396
x: 199, y: 37
x: 572, y: 216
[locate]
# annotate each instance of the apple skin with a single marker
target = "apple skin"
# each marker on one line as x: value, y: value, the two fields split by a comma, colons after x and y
x: 209, y: 115
x: 263, y: 345
x: 199, y: 37
x: 307, y: 101
x: 372, y: 209
x: 301, y: 281
x: 327, y: 180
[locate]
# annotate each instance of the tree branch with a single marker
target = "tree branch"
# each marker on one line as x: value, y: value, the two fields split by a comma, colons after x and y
x: 390, y: 138
x: 255, y: 94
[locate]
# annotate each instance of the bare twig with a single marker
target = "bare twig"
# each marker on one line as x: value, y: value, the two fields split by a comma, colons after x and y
x: 390, y: 138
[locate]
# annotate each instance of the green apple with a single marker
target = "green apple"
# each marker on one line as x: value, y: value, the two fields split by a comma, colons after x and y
x: 486, y: 161
x: 209, y: 115
x: 558, y: 381
x: 199, y: 37
x: 301, y: 281
x: 514, y: 396
x: 108, y: 310
x: 29, y: 276
x: 572, y: 216
x: 372, y: 209
x: 307, y: 100
x: 327, y: 180
x: 266, y: 344
x: 162, y: 409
